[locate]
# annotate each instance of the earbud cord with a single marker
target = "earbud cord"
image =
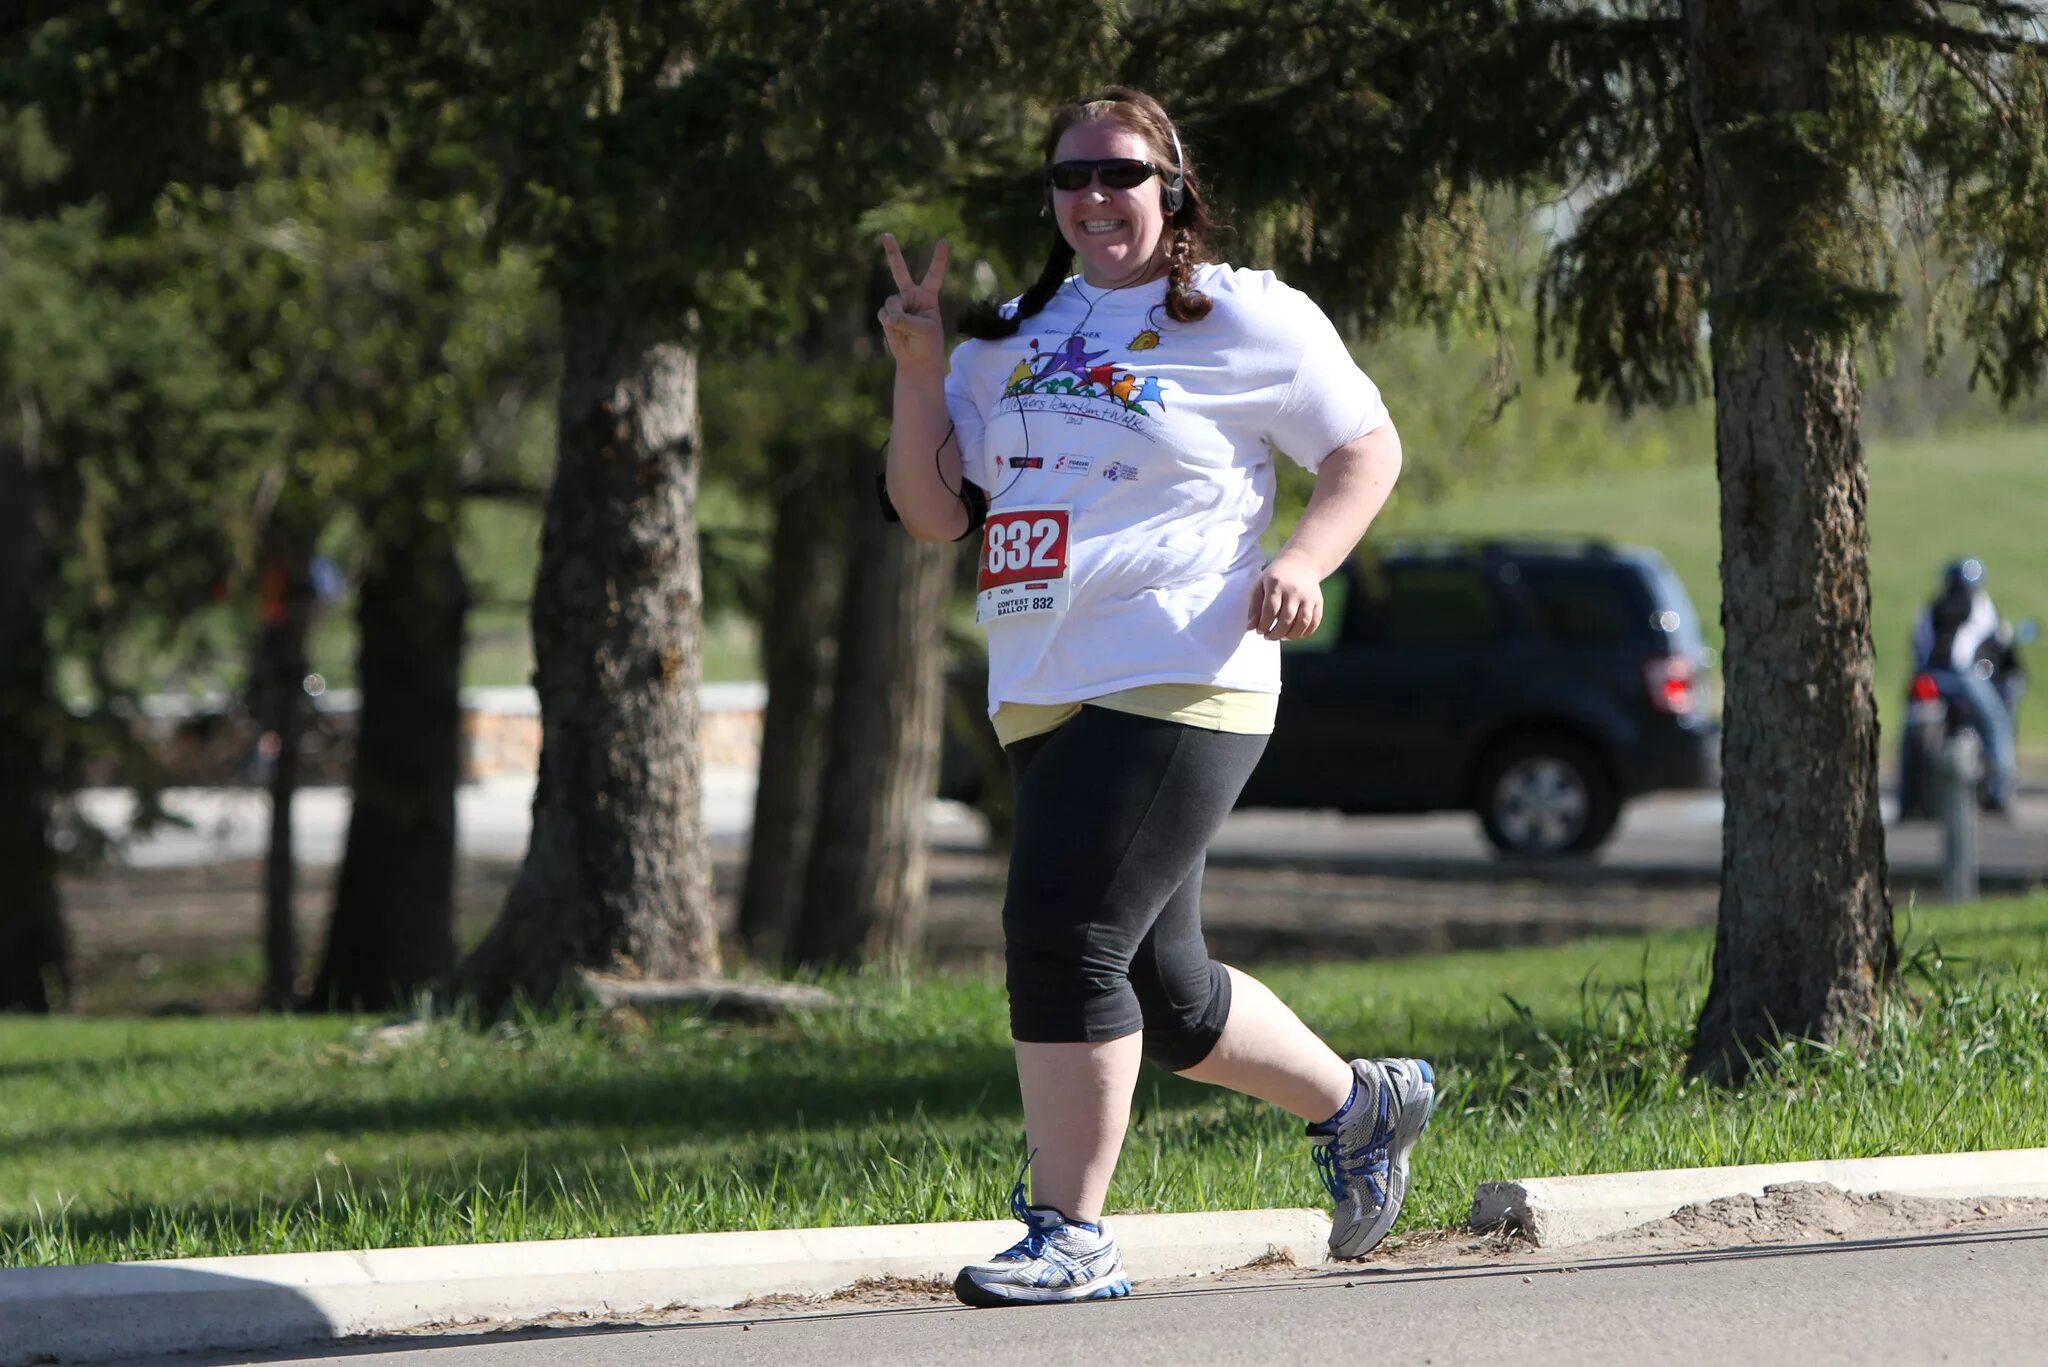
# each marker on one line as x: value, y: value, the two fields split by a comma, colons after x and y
x: 938, y: 452
x: 1075, y: 331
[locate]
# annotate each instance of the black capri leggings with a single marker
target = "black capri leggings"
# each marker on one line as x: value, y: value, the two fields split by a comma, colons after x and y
x: 1102, y: 919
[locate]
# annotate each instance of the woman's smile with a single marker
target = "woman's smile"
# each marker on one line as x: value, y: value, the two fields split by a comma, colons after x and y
x: 1117, y: 234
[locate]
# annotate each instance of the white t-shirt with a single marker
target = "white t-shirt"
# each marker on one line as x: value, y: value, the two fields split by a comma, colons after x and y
x: 1158, y: 437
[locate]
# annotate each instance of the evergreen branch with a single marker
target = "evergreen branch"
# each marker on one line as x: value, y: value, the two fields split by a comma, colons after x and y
x: 1994, y: 98
x: 1929, y: 26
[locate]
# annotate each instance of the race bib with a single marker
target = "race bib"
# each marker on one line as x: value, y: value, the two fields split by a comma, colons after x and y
x: 1023, y: 563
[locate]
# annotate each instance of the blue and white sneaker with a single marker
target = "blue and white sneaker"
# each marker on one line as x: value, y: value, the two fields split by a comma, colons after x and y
x: 1363, y: 1158
x: 1056, y: 1260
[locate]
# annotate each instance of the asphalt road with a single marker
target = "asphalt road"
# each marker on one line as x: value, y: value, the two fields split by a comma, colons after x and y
x: 1964, y: 1298
x: 1675, y: 837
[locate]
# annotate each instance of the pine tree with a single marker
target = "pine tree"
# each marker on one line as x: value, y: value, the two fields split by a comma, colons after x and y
x: 1748, y: 170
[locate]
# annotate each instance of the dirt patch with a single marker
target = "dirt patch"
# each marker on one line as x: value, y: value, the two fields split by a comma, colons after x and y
x: 775, y: 1303
x: 895, y: 1291
x: 1814, y: 1212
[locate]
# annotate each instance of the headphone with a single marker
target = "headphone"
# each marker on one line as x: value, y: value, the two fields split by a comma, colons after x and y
x: 1173, y: 188
x: 1175, y: 192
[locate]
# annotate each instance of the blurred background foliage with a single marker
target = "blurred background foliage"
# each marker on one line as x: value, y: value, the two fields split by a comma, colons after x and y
x: 303, y: 330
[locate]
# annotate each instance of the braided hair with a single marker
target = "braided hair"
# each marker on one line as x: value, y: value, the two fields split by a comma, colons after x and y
x: 1187, y: 228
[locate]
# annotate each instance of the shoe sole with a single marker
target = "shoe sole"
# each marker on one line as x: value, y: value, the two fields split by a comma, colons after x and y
x: 1405, y: 1139
x: 972, y: 1292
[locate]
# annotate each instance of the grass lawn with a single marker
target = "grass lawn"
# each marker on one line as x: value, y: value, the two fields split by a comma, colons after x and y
x: 157, y: 1138
x: 1982, y: 493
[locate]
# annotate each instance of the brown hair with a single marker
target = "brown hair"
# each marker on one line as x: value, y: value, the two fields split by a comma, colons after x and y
x: 1187, y: 227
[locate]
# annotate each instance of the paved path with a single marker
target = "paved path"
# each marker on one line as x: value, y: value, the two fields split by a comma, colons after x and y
x: 1664, y: 838
x: 1965, y: 1298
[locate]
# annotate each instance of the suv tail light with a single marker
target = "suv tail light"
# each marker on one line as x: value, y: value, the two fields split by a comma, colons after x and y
x: 1670, y: 682
x: 1924, y: 689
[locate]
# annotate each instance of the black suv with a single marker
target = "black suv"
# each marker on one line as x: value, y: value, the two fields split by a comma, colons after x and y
x: 1539, y: 684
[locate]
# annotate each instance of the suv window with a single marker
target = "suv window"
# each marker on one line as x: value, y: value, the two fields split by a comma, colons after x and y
x: 1582, y: 604
x: 1422, y: 603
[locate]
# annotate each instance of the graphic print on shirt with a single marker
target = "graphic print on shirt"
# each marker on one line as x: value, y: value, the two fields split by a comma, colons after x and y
x: 1074, y: 380
x: 1169, y: 488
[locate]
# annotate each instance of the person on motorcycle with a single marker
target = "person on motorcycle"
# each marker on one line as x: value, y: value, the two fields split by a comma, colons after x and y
x: 1963, y: 643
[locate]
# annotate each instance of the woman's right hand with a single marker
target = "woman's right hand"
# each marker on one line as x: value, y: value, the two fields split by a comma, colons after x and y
x: 910, y: 317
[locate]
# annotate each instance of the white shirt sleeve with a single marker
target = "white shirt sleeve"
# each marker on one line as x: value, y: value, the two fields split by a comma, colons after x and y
x: 1331, y: 401
x: 1977, y: 628
x: 966, y: 417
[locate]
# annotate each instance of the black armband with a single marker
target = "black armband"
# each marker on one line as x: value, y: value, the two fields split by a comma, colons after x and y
x: 976, y: 504
x: 971, y: 498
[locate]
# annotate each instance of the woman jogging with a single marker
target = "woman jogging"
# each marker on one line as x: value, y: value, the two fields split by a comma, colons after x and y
x: 1110, y: 436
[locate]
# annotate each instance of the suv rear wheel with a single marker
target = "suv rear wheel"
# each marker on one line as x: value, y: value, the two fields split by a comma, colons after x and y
x: 1545, y: 796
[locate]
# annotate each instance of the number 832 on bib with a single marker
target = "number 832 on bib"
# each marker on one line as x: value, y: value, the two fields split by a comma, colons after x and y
x: 1023, y: 563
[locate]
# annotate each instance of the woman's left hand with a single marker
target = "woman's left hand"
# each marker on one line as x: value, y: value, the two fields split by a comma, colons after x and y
x: 1287, y: 602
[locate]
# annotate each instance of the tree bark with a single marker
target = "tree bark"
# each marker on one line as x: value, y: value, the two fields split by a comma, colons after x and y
x: 617, y: 876
x: 1804, y: 942
x: 796, y: 654
x: 392, y: 931
x: 34, y: 957
x: 866, y: 887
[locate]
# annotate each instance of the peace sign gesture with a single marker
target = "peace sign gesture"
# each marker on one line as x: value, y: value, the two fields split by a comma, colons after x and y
x: 910, y: 317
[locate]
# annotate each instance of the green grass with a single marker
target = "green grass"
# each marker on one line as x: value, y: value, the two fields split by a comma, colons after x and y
x: 140, y: 1139
x: 1982, y: 493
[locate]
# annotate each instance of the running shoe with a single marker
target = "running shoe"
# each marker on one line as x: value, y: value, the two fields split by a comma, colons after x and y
x: 1055, y: 1261
x: 1363, y: 1158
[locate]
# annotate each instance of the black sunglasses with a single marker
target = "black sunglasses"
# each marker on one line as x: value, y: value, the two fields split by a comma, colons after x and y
x: 1118, y: 173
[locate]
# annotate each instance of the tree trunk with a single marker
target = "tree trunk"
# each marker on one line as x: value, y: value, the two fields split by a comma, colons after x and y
x: 34, y: 962
x: 618, y: 874
x: 865, y: 890
x: 1804, y: 943
x: 392, y: 932
x: 796, y: 654
x: 281, y: 706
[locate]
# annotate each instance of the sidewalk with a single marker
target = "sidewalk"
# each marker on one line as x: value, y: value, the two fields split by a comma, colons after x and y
x: 109, y: 1311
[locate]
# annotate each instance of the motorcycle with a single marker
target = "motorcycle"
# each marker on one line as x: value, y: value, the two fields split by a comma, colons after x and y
x: 1937, y: 710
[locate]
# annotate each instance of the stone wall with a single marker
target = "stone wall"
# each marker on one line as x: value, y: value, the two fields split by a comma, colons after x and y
x: 501, y: 729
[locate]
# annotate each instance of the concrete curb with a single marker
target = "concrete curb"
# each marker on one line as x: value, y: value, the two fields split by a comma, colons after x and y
x: 1555, y: 1212
x: 97, y: 1312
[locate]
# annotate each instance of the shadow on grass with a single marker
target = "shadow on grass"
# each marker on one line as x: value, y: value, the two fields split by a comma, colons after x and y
x: 770, y: 1091
x: 1257, y: 944
x: 717, y: 1096
x: 576, y: 1107
x: 84, y: 1069
x: 907, y: 1134
x: 526, y: 1191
